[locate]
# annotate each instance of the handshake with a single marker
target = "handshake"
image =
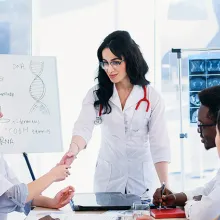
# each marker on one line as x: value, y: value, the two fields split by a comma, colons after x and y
x: 59, y: 173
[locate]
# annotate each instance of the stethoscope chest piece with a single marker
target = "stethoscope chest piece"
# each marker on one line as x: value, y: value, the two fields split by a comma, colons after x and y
x: 98, y: 120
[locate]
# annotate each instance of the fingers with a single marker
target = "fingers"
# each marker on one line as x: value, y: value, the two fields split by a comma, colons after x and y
x: 167, y: 192
x: 62, y: 162
x: 67, y: 173
x: 168, y: 200
x: 69, y: 160
x: 157, y: 197
x: 66, y: 158
x: 70, y: 154
x: 71, y: 188
x: 67, y: 200
x: 67, y: 170
x: 164, y: 198
x: 66, y: 189
x: 71, y: 195
x: 168, y: 197
x: 64, y: 171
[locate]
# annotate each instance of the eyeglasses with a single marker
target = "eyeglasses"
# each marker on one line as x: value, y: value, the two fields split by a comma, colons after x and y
x: 114, y: 63
x: 201, y: 125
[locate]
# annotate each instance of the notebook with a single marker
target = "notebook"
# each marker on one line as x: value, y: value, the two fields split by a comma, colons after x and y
x: 168, y: 213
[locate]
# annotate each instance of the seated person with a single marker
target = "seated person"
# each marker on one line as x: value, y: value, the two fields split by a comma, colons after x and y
x: 202, y: 203
x: 17, y: 196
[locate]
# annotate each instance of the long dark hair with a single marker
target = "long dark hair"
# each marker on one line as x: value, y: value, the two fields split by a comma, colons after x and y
x: 218, y: 121
x: 124, y: 47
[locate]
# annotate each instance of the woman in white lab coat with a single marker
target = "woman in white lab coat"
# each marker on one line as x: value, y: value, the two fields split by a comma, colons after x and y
x: 131, y: 115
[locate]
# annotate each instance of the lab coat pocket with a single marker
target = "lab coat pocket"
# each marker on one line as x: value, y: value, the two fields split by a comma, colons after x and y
x: 140, y: 125
x: 102, y: 175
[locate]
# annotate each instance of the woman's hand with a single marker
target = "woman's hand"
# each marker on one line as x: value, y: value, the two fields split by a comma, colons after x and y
x: 62, y: 198
x: 68, y: 158
x: 59, y: 173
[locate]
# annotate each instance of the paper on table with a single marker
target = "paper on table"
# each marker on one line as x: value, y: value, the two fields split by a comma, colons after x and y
x: 58, y: 216
x: 127, y: 215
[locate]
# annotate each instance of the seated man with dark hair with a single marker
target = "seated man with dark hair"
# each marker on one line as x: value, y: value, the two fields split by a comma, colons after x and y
x: 207, y: 116
x: 202, y: 202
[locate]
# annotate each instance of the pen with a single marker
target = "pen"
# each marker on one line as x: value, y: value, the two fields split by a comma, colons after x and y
x: 162, y: 192
x: 72, y: 204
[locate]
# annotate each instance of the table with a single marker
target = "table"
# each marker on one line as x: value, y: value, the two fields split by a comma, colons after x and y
x: 66, y: 212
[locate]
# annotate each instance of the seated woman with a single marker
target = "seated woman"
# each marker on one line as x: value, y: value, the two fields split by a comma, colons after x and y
x: 17, y: 196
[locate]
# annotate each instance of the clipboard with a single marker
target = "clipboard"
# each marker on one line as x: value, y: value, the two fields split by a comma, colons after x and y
x: 103, y: 201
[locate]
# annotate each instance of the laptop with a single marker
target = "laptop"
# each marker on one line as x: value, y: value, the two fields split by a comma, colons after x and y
x: 103, y: 201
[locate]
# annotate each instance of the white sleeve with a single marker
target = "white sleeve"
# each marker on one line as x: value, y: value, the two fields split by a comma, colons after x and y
x: 85, y: 123
x: 158, y: 135
x: 203, y: 190
x: 207, y: 208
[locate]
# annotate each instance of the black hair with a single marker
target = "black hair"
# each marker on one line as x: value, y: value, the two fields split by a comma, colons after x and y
x: 124, y: 47
x: 218, y: 121
x: 210, y: 98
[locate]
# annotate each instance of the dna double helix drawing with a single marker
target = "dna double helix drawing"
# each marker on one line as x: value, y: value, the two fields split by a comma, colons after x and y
x: 37, y: 88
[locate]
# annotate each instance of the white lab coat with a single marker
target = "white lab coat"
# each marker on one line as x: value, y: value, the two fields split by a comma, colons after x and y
x: 131, y: 141
x: 209, y: 206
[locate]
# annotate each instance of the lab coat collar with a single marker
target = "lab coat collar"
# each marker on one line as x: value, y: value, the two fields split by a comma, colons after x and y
x: 115, y: 97
x: 135, y: 95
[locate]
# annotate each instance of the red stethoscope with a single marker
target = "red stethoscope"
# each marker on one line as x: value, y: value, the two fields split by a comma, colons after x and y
x: 144, y: 99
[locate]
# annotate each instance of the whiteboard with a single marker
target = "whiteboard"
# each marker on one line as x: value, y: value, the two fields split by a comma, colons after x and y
x: 29, y: 101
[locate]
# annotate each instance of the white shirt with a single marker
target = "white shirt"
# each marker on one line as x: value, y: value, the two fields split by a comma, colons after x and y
x: 132, y: 141
x: 209, y: 206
